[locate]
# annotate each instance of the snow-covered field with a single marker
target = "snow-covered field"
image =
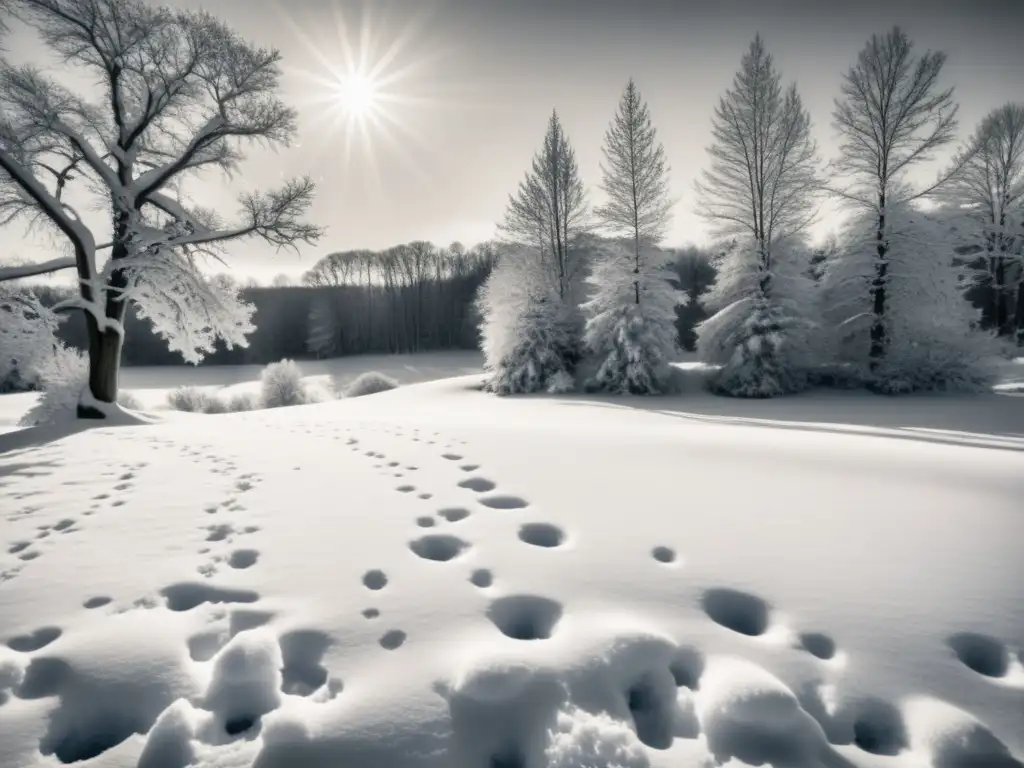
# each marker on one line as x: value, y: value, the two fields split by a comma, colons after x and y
x: 437, y: 577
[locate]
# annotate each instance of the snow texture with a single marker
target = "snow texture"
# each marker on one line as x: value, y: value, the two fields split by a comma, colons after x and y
x: 631, y: 320
x: 764, y: 332
x: 530, y: 336
x: 199, y: 593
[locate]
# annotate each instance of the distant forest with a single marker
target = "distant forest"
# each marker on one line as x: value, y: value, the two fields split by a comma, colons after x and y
x: 410, y: 298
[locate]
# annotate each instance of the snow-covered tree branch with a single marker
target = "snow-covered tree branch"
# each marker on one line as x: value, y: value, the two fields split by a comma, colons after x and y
x: 180, y: 92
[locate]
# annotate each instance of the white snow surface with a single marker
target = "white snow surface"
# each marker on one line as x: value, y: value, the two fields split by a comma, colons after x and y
x: 434, y: 576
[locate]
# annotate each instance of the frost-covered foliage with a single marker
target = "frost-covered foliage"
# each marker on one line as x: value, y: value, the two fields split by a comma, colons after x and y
x: 631, y: 320
x: 187, y: 308
x: 62, y: 376
x: 127, y: 400
x: 370, y: 383
x: 26, y: 338
x: 529, y: 336
x: 580, y: 739
x: 931, y: 341
x: 764, y: 332
x: 281, y: 385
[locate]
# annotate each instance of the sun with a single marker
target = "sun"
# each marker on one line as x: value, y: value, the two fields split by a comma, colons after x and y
x: 357, y: 95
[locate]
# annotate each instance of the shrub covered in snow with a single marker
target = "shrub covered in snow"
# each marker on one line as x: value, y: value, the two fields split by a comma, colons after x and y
x: 26, y: 338
x: 281, y: 385
x: 764, y: 332
x: 529, y: 336
x: 370, y: 383
x: 243, y: 401
x: 631, y: 321
x: 194, y: 400
x: 62, y: 376
x: 128, y: 400
x: 929, y: 331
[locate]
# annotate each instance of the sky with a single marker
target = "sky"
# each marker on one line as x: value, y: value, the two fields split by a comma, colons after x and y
x: 465, y: 89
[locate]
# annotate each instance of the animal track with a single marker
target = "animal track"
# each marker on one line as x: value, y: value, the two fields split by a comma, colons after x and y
x: 31, y: 554
x: 818, y: 644
x: 187, y: 595
x: 64, y: 524
x: 392, y: 639
x: 503, y: 502
x: 451, y: 456
x: 33, y: 641
x: 664, y: 554
x: 469, y: 467
x: 426, y: 496
x: 525, y: 617
x: 370, y: 613
x: 454, y: 514
x: 406, y: 488
x: 425, y: 521
x: 438, y: 546
x: 541, y: 535
x: 375, y: 579
x: 243, y: 558
x: 739, y: 611
x: 981, y: 653
x: 482, y: 577
x: 96, y: 602
x: 478, y: 484
x: 18, y: 546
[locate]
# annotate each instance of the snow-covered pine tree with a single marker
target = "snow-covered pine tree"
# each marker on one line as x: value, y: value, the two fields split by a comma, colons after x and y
x: 530, y: 337
x: 760, y: 193
x: 765, y: 342
x: 321, y: 328
x: 894, y: 287
x: 631, y: 315
x: 932, y: 338
x: 631, y: 329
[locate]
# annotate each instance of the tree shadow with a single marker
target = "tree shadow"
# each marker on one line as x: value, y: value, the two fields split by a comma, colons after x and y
x: 983, y: 420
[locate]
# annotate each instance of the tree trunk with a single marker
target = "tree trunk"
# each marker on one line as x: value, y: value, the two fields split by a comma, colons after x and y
x: 1001, y: 299
x: 878, y: 330
x: 104, y: 367
x: 1020, y: 314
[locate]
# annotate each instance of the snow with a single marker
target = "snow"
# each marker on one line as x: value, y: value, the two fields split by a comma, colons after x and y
x: 434, y: 576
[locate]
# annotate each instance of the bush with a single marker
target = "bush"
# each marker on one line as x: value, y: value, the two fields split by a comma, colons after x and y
x: 193, y: 400
x: 281, y: 385
x: 62, y: 376
x: 370, y: 383
x: 245, y: 401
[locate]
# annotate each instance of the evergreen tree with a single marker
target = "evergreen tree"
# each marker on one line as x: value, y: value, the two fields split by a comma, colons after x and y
x: 529, y: 335
x: 631, y: 316
x: 760, y: 192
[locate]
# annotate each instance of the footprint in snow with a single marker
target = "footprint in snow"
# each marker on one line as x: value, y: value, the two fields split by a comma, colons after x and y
x: 185, y: 596
x: 35, y: 640
x: 478, y: 484
x: 406, y: 488
x: 981, y: 653
x: 64, y: 524
x: 665, y: 555
x: 243, y: 558
x: 375, y: 579
x: 438, y: 547
x: 451, y: 456
x: 469, y: 467
x: 542, y: 535
x: 425, y: 521
x: 454, y: 514
x: 31, y: 554
x: 482, y: 577
x: 18, y: 546
x: 739, y: 611
x: 392, y: 639
x: 818, y: 644
x: 219, y: 532
x: 503, y: 501
x: 96, y: 602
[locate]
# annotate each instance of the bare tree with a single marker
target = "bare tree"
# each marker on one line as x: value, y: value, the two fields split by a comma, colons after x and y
x: 759, y: 194
x: 635, y: 179
x: 892, y: 116
x: 989, y: 195
x: 763, y: 178
x: 181, y: 93
x: 549, y: 210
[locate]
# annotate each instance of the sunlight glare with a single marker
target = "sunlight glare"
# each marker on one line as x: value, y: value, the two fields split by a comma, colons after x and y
x: 357, y: 95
